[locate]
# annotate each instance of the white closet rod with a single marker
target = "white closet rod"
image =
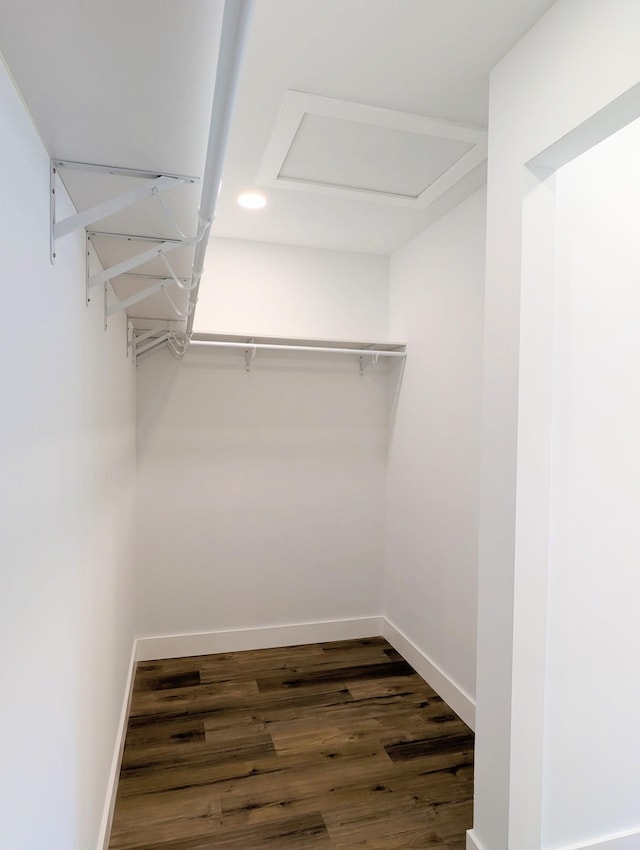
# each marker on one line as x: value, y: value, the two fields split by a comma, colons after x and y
x: 235, y: 26
x: 262, y: 346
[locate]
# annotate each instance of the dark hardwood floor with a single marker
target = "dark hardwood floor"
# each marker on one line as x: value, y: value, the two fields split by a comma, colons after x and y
x: 334, y: 745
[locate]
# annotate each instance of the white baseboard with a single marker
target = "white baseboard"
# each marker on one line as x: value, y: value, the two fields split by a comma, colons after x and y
x: 235, y: 640
x: 619, y: 841
x: 114, y: 773
x: 473, y: 842
x: 463, y: 705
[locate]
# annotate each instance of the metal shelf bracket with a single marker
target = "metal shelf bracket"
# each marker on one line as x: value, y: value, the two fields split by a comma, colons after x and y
x: 154, y: 184
x: 159, y: 249
x: 364, y: 365
x: 143, y: 342
x: 249, y: 354
x: 131, y: 336
x: 154, y: 289
x: 164, y: 247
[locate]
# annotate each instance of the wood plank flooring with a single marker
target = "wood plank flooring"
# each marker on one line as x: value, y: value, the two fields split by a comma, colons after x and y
x: 332, y: 746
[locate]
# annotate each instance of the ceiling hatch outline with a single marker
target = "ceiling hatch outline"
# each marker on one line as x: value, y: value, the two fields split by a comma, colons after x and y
x: 296, y: 106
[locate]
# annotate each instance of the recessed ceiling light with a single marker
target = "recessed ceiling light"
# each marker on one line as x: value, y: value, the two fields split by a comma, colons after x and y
x: 252, y: 200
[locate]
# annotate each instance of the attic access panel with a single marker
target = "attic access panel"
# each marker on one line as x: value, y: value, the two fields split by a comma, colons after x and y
x: 353, y: 150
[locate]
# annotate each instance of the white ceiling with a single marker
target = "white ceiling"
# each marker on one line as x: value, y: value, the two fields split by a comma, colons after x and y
x: 125, y: 84
x: 119, y: 82
x: 426, y: 57
x: 130, y: 84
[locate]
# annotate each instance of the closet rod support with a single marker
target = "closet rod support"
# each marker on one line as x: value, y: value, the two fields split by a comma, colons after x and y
x: 249, y: 354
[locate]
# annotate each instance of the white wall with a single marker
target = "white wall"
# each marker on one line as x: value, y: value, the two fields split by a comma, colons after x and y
x: 285, y: 290
x: 261, y: 495
x: 593, y: 639
x: 576, y: 61
x: 66, y: 502
x: 436, y: 304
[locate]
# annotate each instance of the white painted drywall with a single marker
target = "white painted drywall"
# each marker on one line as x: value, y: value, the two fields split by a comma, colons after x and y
x: 592, y: 736
x: 436, y: 304
x: 580, y: 57
x: 67, y: 431
x: 285, y: 290
x: 261, y: 495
